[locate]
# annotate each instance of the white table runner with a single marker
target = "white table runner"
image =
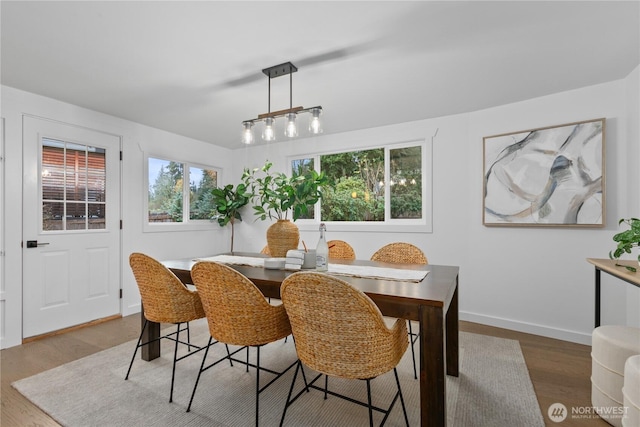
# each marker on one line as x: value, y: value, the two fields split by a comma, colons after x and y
x: 371, y: 272
x: 236, y: 260
x: 364, y: 271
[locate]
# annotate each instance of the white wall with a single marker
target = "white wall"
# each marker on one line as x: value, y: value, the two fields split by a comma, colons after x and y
x: 529, y: 279
x: 633, y: 178
x: 136, y: 139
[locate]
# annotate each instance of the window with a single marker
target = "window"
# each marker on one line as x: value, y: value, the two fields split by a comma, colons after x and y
x: 381, y: 186
x: 169, y: 181
x: 300, y: 167
x: 73, y: 186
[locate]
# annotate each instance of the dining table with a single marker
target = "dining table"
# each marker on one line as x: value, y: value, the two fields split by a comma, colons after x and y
x: 431, y: 301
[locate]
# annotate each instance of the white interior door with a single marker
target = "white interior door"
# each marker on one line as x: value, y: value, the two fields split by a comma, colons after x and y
x: 71, y: 225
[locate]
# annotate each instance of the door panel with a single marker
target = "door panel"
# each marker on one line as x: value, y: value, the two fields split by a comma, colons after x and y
x: 71, y: 270
x: 54, y: 276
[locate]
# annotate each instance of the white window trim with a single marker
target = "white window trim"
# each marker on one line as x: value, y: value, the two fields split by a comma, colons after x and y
x: 187, y: 224
x: 422, y: 225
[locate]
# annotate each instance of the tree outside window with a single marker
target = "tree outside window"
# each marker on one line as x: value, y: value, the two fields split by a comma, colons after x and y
x: 167, y: 189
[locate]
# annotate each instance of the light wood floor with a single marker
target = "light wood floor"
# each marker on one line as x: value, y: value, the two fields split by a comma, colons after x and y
x: 559, y: 370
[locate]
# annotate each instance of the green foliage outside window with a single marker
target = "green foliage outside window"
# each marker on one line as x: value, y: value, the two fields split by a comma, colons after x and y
x: 166, y: 191
x: 406, y: 180
x: 201, y: 198
x: 358, y: 194
x: 360, y: 190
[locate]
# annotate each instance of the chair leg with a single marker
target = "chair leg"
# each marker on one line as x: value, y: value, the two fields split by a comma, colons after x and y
x: 247, y: 359
x: 293, y: 382
x: 326, y: 386
x: 369, y: 401
x: 413, y: 352
x: 189, y: 338
x: 229, y: 354
x: 404, y: 409
x: 195, y: 386
x: 257, y: 382
x: 136, y: 350
x: 175, y: 357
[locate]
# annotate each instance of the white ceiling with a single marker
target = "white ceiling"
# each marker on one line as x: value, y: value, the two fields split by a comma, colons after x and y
x: 194, y: 68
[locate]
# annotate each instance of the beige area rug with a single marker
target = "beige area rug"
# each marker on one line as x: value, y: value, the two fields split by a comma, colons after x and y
x: 493, y: 389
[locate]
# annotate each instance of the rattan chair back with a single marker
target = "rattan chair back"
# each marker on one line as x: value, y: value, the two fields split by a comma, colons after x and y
x: 265, y: 250
x: 237, y: 312
x: 339, y: 249
x: 165, y: 298
x: 400, y: 253
x: 338, y: 330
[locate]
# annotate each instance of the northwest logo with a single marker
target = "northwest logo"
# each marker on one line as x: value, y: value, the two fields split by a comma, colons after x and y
x: 557, y: 412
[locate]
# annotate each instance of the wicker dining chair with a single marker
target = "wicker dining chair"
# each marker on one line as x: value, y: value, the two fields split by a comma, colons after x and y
x: 165, y: 299
x: 400, y: 253
x: 238, y: 314
x: 340, y: 332
x: 265, y: 250
x: 403, y: 253
x: 339, y: 249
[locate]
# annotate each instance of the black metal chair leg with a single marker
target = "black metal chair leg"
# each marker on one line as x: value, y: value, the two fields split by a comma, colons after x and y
x: 229, y: 354
x: 293, y: 382
x: 326, y: 386
x: 369, y: 401
x: 175, y: 357
x: 413, y: 352
x: 404, y: 409
x: 247, y: 359
x: 136, y: 350
x: 189, y: 338
x: 195, y: 386
x: 257, y: 382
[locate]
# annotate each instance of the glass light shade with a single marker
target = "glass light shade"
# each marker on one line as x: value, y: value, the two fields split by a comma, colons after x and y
x: 315, y: 125
x: 247, y: 133
x: 290, y: 129
x: 269, y: 134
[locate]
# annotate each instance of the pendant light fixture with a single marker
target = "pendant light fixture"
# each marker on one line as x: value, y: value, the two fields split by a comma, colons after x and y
x: 290, y: 114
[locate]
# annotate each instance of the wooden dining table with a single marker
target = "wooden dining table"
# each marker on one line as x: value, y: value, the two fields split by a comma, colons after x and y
x: 433, y: 302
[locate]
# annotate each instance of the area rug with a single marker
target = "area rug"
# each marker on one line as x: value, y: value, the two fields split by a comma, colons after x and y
x: 493, y: 389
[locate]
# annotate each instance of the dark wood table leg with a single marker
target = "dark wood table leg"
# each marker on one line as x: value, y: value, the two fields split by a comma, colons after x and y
x: 150, y: 351
x: 452, y: 335
x: 433, y: 407
x: 597, y: 319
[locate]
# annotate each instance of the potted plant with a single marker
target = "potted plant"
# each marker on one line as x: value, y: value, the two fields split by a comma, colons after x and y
x: 627, y: 240
x: 227, y: 202
x: 275, y: 195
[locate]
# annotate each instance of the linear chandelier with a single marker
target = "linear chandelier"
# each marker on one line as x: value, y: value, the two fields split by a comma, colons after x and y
x: 290, y: 114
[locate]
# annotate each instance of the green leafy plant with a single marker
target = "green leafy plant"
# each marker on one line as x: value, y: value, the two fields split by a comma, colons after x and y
x: 627, y: 240
x: 227, y: 202
x: 275, y: 194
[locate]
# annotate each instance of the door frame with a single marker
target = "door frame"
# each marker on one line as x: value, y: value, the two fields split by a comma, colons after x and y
x: 119, y: 246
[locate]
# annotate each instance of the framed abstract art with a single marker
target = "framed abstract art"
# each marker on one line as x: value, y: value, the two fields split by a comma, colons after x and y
x: 549, y: 177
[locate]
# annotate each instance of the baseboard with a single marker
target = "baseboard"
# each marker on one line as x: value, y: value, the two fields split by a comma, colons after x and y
x: 529, y: 328
x: 131, y: 309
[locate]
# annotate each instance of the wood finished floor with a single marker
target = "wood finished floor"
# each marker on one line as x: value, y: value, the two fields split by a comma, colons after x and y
x: 559, y: 370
